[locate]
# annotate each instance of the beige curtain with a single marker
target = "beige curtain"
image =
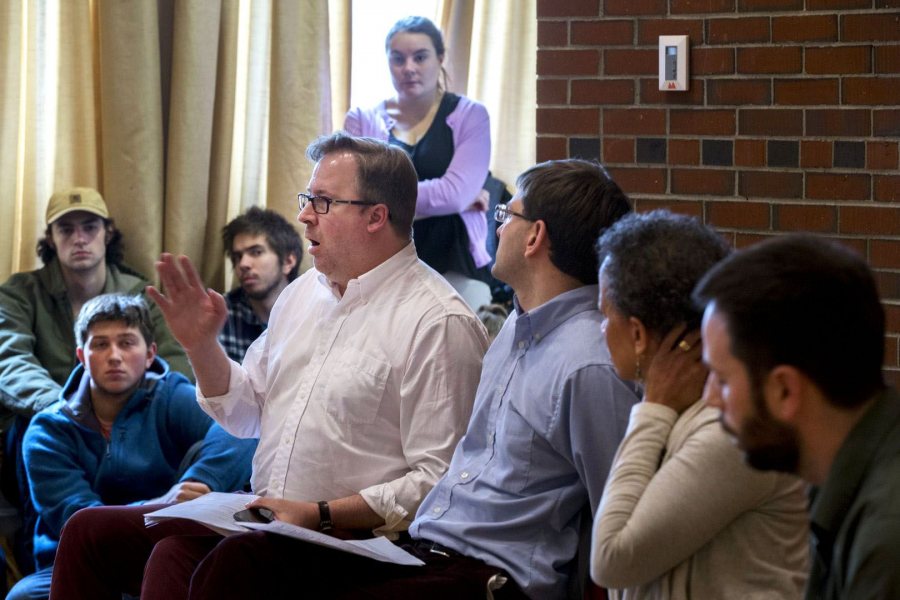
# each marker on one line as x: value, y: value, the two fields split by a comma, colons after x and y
x: 182, y: 113
x: 341, y: 47
x: 485, y: 61
x: 502, y: 75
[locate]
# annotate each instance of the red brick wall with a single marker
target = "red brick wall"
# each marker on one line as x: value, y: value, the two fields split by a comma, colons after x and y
x: 791, y: 122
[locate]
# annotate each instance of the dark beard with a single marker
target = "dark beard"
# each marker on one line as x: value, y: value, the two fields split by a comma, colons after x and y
x: 263, y: 294
x: 767, y: 444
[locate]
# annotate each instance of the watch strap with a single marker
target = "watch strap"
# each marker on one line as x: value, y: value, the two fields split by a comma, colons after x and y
x: 325, y: 522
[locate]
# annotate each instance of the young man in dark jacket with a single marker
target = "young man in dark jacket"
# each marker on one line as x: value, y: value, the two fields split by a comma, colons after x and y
x: 125, y: 430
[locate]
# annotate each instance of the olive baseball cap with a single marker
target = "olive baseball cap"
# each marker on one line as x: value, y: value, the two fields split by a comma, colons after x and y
x: 76, y: 198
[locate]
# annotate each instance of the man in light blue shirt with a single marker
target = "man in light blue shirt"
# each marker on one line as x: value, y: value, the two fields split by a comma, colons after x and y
x: 549, y: 414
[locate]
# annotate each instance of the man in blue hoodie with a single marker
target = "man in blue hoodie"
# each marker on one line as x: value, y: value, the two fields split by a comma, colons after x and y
x: 125, y: 430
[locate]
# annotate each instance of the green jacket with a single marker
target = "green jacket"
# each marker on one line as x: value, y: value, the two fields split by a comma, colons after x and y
x: 37, y: 341
x: 855, y: 515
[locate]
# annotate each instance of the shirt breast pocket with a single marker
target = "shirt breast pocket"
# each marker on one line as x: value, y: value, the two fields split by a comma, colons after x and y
x: 356, y: 388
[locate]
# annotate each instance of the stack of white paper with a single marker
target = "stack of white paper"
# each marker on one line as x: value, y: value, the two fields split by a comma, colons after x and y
x: 216, y: 511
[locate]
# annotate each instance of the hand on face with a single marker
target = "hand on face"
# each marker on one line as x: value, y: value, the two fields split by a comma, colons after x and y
x: 676, y: 374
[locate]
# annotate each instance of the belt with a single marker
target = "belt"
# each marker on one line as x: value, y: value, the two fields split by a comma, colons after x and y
x: 423, y: 545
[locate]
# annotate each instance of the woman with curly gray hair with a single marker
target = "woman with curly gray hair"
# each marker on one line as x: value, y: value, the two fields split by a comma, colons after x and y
x: 682, y: 516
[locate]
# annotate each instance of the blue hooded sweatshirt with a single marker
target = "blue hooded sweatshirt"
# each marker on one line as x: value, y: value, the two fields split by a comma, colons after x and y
x: 70, y: 465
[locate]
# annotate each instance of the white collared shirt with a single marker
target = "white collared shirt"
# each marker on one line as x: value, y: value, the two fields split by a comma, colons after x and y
x: 366, y: 393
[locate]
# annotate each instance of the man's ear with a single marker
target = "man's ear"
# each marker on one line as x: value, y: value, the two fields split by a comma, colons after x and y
x: 79, y: 352
x: 379, y: 217
x: 151, y: 354
x: 537, y: 238
x: 290, y: 261
x: 784, y: 392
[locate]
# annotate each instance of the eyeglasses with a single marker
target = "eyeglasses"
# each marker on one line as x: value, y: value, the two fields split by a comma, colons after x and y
x: 502, y: 215
x: 321, y: 204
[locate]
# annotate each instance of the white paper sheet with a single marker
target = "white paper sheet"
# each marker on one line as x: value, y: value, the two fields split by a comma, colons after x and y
x: 216, y: 511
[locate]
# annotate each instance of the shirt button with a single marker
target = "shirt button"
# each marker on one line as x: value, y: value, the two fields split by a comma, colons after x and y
x: 521, y: 345
x: 464, y: 475
x: 436, y: 509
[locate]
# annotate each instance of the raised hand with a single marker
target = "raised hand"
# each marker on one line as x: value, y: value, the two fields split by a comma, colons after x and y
x: 194, y: 313
x: 676, y: 375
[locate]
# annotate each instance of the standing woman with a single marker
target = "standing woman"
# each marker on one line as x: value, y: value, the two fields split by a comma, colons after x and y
x: 449, y: 141
x: 682, y: 516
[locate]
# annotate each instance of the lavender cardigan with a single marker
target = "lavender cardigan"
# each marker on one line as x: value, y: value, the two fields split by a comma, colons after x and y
x: 455, y: 191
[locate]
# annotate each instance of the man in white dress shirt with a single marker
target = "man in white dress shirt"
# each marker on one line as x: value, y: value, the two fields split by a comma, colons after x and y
x: 358, y: 390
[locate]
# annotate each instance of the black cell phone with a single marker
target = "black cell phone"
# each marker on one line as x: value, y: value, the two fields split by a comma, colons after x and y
x: 255, y: 514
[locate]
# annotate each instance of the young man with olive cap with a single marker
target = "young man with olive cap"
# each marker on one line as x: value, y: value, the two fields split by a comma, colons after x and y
x: 82, y: 256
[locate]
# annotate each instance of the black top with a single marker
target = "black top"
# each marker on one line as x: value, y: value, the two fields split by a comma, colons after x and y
x: 441, y: 242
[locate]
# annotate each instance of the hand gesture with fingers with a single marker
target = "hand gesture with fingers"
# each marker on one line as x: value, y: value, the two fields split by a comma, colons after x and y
x: 676, y: 375
x: 194, y: 313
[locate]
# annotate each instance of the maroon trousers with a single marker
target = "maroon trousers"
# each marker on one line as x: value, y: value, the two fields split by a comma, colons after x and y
x: 103, y: 552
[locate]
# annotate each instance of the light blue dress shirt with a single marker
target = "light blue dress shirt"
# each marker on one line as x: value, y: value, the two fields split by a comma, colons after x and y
x: 549, y: 414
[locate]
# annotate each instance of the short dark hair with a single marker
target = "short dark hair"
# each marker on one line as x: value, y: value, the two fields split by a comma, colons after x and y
x: 807, y: 302
x: 280, y: 235
x: 115, y: 248
x: 651, y: 263
x: 577, y: 200
x: 384, y: 174
x: 132, y: 311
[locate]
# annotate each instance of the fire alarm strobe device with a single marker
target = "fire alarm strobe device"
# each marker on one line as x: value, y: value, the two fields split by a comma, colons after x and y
x: 673, y: 63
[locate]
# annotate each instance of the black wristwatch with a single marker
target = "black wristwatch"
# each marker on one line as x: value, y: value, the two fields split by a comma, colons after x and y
x: 325, y: 522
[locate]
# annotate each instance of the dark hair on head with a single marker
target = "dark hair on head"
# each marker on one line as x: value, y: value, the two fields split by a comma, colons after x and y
x: 131, y: 311
x: 384, y: 174
x: 425, y: 26
x: 280, y: 235
x: 807, y: 302
x: 650, y: 263
x: 417, y: 25
x: 115, y: 249
x: 577, y: 200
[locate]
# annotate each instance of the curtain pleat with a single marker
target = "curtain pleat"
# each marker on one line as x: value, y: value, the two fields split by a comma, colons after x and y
x: 132, y: 140
x: 182, y: 114
x: 502, y: 76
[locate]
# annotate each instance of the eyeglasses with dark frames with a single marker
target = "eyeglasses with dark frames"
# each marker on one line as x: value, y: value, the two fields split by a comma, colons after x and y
x: 321, y: 204
x: 502, y: 214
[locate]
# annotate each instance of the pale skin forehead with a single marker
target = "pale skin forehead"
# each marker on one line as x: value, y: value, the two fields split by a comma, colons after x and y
x: 244, y: 241
x: 715, y: 337
x: 407, y: 41
x: 112, y: 329
x: 334, y: 175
